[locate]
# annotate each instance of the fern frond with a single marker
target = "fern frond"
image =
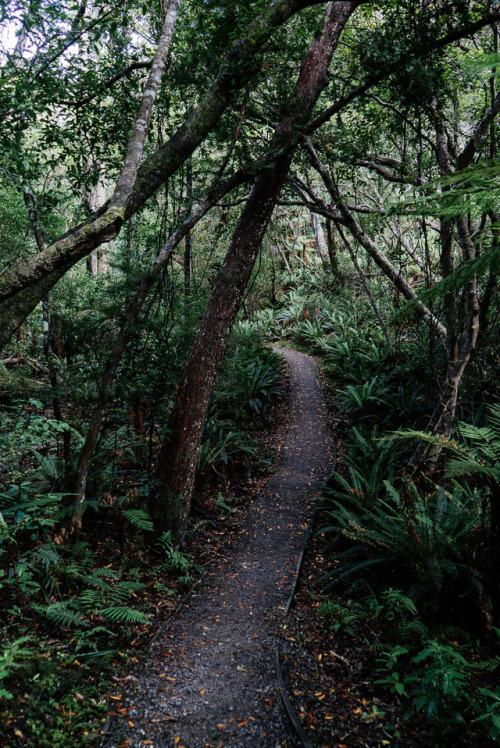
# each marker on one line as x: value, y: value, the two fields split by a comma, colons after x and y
x: 47, y: 556
x: 139, y: 518
x: 122, y: 614
x: 62, y: 614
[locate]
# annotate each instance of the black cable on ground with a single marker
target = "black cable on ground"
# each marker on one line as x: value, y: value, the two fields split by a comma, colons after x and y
x: 292, y: 715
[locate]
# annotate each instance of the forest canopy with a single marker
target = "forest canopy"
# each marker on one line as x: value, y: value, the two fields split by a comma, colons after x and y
x: 183, y: 183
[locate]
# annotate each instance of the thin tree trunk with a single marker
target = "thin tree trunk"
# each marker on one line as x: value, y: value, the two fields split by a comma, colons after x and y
x: 170, y: 501
x: 368, y: 291
x: 320, y: 239
x: 284, y: 258
x: 369, y: 245
x: 137, y: 138
x: 332, y: 248
x: 187, y: 241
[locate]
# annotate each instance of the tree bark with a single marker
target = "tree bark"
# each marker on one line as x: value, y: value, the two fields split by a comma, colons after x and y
x: 319, y: 235
x: 171, y: 499
x: 332, y: 249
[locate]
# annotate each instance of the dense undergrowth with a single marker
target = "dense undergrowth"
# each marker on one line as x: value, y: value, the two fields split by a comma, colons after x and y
x: 411, y: 557
x: 76, y: 607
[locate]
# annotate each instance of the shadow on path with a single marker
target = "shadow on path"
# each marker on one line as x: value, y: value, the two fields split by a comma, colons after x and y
x: 209, y: 679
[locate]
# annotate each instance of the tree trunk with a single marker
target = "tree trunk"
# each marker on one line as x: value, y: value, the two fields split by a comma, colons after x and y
x: 319, y: 235
x: 23, y: 286
x: 459, y: 347
x: 332, y: 248
x: 171, y: 499
x: 130, y: 315
x: 187, y: 241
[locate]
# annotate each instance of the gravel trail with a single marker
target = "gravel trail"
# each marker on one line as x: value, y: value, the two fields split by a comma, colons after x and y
x: 209, y: 679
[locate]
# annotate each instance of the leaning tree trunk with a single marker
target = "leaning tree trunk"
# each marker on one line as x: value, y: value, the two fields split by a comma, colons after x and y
x: 23, y: 286
x: 129, y: 318
x: 171, y: 499
x: 459, y: 346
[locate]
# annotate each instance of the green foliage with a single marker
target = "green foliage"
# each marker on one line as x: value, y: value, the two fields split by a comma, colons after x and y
x: 491, y: 713
x: 444, y: 680
x: 369, y: 461
x: 430, y: 537
x: 477, y: 457
x: 29, y: 432
x: 139, y: 518
x: 345, y: 616
x: 177, y: 561
x: 363, y: 399
x: 222, y: 445
x: 10, y: 658
x: 250, y: 381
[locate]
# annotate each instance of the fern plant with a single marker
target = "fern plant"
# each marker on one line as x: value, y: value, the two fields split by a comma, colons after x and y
x: 345, y: 617
x: 431, y: 537
x: 477, y: 455
x: 366, y: 399
x: 139, y: 518
x: 222, y: 445
x: 11, y: 656
x: 369, y: 461
x: 176, y: 561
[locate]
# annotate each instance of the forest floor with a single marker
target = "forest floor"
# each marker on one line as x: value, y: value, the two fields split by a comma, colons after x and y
x: 210, y: 678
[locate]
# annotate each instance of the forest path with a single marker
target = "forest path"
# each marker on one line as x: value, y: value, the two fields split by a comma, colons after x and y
x: 209, y: 679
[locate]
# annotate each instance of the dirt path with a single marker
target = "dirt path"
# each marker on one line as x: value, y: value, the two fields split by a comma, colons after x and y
x: 210, y: 678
